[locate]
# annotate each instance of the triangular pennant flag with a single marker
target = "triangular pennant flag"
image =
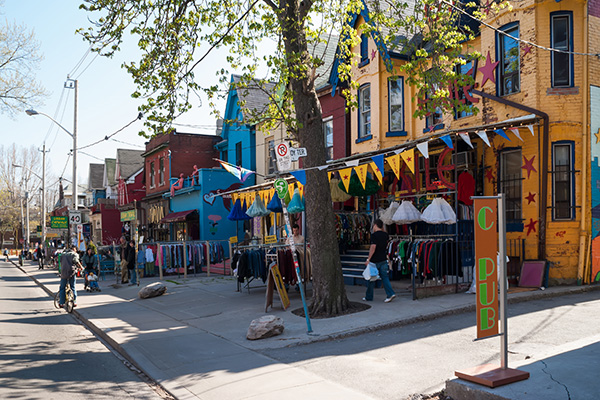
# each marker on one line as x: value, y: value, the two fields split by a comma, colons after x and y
x: 300, y: 176
x: 466, y: 138
x: 233, y: 197
x: 378, y: 160
x: 352, y: 163
x: 501, y: 132
x: 361, y: 171
x: 398, y: 151
x: 301, y: 190
x: 345, y: 174
x: 291, y: 189
x: 515, y: 131
x: 448, y: 140
x: 484, y: 137
x: 531, y: 129
x: 322, y: 167
x: 330, y: 175
x: 394, y: 162
x: 377, y: 172
x: 424, y: 149
x: 409, y: 158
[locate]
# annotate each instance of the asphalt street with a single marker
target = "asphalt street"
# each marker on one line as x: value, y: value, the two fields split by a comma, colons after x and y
x: 418, y: 358
x: 46, y: 353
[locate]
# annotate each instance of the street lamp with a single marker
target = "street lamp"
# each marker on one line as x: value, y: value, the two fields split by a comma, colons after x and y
x: 43, y: 178
x: 32, y: 112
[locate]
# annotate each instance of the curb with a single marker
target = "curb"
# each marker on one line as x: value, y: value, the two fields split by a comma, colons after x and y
x: 101, y: 334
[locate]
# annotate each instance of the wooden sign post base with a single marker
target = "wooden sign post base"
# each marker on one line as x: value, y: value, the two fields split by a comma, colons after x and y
x: 491, y: 375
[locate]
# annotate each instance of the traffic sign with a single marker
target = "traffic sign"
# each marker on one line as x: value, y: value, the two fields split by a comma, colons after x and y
x: 284, y: 158
x: 296, y: 153
x: 75, y: 217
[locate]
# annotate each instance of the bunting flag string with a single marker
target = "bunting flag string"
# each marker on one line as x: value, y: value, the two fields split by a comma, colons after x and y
x: 466, y: 138
x: 377, y: 172
x: 448, y: 140
x: 379, y: 163
x: 409, y: 158
x: 345, y: 174
x: 394, y: 162
x: 424, y: 149
x: 530, y: 127
x: 353, y: 163
x: 361, y: 171
x: 484, y: 137
x: 515, y: 132
x: 501, y: 132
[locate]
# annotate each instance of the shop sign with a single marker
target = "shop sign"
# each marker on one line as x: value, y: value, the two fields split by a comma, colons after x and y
x: 486, y: 268
x: 129, y: 215
x: 270, y: 239
x: 282, y: 188
x: 59, y: 222
x: 233, y: 239
x: 8, y: 242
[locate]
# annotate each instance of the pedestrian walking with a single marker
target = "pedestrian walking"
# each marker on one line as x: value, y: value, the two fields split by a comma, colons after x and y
x: 378, y: 256
x: 131, y: 262
x: 124, y: 251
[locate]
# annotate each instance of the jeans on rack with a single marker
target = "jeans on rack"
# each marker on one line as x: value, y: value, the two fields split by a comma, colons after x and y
x: 382, y: 267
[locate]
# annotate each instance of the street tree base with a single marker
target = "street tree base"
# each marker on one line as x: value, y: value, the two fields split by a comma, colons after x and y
x: 352, y: 307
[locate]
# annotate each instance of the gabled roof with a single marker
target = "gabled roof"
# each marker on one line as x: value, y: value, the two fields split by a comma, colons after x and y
x: 96, y: 176
x: 128, y: 162
x: 109, y: 172
x: 254, y: 100
x: 325, y: 52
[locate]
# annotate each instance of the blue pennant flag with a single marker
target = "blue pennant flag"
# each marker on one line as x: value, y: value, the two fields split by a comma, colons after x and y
x: 378, y: 160
x: 502, y: 133
x: 300, y: 176
x: 448, y: 140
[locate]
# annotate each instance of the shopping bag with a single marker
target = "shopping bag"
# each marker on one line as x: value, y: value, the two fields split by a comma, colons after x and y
x: 371, y: 273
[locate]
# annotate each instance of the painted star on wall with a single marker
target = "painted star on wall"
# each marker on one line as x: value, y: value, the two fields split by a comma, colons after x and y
x: 488, y: 70
x: 526, y: 50
x: 597, y: 134
x: 373, y: 54
x: 529, y: 165
x: 489, y: 175
x: 530, y: 198
x: 531, y: 226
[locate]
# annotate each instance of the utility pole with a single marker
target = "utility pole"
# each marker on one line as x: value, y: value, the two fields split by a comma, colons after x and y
x: 75, y: 150
x: 43, y: 195
x: 27, y: 218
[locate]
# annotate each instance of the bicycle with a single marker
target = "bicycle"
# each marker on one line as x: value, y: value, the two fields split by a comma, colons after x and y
x: 69, y: 299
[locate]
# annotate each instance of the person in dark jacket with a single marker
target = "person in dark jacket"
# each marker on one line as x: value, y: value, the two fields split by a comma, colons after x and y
x: 130, y: 257
x: 90, y: 263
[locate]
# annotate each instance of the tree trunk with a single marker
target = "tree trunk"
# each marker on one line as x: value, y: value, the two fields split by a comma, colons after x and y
x: 329, y: 293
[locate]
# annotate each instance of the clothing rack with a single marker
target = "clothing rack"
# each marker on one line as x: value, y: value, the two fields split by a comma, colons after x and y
x: 404, y: 196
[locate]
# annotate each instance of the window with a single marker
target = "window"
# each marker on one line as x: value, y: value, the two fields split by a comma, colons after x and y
x: 364, y: 49
x: 396, y: 104
x: 152, y: 179
x: 161, y: 171
x: 364, y: 111
x: 238, y: 154
x: 510, y: 60
x: 271, y: 158
x: 328, y: 133
x: 436, y: 117
x: 560, y: 39
x: 510, y: 180
x: 563, y: 188
x: 463, y: 70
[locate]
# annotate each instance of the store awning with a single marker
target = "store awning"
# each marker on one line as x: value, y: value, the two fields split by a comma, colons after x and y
x: 178, y: 216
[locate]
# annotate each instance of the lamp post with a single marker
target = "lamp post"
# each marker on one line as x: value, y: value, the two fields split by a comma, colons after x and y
x: 43, y: 179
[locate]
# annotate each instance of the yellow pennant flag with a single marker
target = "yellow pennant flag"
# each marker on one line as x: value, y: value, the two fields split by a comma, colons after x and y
x: 291, y: 189
x: 409, y: 158
x: 234, y: 197
x: 345, y: 174
x: 301, y: 189
x: 394, y: 162
x: 377, y: 172
x: 330, y: 175
x: 361, y: 171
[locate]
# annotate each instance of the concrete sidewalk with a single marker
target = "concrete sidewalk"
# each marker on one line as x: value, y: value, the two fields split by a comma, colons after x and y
x: 192, y: 340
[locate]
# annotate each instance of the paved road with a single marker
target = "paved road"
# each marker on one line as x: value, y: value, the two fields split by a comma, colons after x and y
x: 418, y: 358
x: 46, y: 353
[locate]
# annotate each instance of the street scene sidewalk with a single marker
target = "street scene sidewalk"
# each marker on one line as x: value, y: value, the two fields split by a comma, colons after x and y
x: 192, y: 340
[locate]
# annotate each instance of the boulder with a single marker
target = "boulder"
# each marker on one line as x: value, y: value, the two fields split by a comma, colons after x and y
x: 265, y: 327
x: 152, y: 290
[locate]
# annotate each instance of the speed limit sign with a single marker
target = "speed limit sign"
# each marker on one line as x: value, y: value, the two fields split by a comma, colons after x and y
x: 74, y: 217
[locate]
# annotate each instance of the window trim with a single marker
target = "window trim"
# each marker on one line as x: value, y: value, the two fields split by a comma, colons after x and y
x: 402, y: 130
x: 511, y: 225
x: 326, y: 120
x: 569, y: 15
x: 499, y: 83
x: 460, y: 91
x: 362, y: 137
x: 151, y: 173
x: 364, y: 50
x: 161, y: 171
x: 571, y: 144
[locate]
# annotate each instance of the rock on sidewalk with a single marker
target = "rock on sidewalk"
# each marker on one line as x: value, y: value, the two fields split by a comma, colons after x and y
x: 265, y: 327
x: 152, y: 290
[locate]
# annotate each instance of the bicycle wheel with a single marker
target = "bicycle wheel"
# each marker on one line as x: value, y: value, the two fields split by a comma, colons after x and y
x: 69, y: 303
x: 57, y: 299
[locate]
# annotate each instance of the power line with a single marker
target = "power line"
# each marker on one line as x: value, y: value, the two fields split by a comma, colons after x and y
x: 87, y: 66
x: 111, y: 135
x: 81, y: 60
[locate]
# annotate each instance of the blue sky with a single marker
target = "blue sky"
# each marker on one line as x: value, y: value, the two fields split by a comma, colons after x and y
x: 104, y: 103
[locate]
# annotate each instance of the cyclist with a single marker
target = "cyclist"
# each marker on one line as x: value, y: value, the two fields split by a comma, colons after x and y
x: 69, y: 266
x: 39, y: 253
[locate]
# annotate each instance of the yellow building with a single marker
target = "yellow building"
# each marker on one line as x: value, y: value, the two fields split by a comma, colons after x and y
x: 540, y: 111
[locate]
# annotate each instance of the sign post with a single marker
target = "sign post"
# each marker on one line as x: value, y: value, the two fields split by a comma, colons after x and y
x: 490, y: 256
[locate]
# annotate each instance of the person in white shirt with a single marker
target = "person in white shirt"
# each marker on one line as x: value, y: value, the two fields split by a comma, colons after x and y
x: 298, y: 238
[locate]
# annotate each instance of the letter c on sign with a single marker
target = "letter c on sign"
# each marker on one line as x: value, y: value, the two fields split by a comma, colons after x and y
x: 481, y: 219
